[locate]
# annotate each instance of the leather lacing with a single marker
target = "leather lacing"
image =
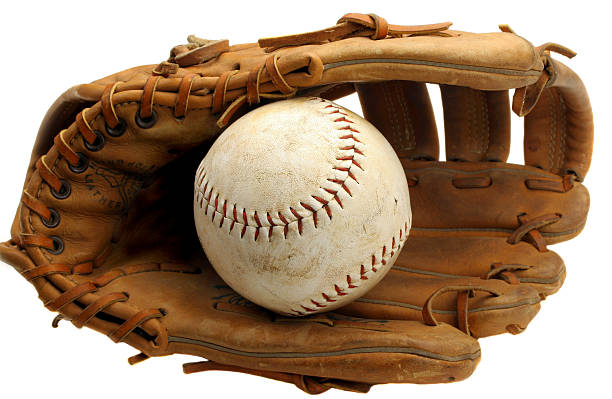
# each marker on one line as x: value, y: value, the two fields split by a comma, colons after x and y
x: 145, y: 118
x: 528, y: 230
x: 308, y: 384
x: 95, y: 140
x: 99, y: 305
x: 463, y: 293
x: 253, y: 95
x: 506, y: 272
x: 77, y: 162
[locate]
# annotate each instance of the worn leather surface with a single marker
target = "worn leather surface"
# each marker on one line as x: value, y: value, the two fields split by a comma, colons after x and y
x: 474, y: 214
x: 119, y: 253
x: 301, y: 206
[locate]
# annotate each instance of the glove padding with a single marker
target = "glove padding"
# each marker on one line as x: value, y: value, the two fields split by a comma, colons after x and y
x: 104, y: 230
x: 476, y: 215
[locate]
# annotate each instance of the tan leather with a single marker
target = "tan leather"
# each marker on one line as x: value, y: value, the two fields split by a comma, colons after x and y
x: 104, y: 229
x: 559, y: 129
x: 166, y: 271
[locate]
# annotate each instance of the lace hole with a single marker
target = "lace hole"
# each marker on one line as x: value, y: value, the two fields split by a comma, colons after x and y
x: 81, y: 166
x: 146, y: 123
x: 117, y: 130
x: 58, y: 246
x: 64, y: 191
x: 53, y: 221
x: 98, y: 143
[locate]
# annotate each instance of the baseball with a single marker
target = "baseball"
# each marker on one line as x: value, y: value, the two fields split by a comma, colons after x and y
x: 301, y: 206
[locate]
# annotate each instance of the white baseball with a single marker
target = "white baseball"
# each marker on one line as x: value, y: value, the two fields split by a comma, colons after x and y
x: 301, y: 206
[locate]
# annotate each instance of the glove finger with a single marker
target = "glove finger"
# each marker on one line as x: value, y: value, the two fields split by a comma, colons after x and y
x: 495, y: 200
x: 453, y: 257
x: 559, y: 129
x: 476, y: 124
x: 402, y: 111
x: 496, y: 307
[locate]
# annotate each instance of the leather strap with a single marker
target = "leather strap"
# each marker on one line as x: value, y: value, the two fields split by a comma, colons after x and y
x: 463, y: 292
x: 371, y: 20
x: 146, y: 102
x: 134, y: 322
x: 182, y: 99
x: 218, y: 100
x: 108, y: 110
x: 529, y: 227
x: 84, y: 128
x: 63, y: 148
x: 206, y: 50
x: 352, y: 25
x: 98, y: 306
x: 310, y: 385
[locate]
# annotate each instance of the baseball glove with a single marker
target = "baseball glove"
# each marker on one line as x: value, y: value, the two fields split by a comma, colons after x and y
x: 104, y: 229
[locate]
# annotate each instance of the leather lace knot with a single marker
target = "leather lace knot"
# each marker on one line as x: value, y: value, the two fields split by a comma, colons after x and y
x: 528, y: 230
x: 463, y: 293
x: 505, y: 272
x: 254, y: 93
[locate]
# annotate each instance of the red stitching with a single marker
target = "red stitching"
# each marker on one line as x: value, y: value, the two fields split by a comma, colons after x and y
x: 317, y: 304
x: 328, y: 211
x: 350, y: 136
x: 339, y: 290
x: 327, y: 298
x: 349, y: 128
x: 325, y: 205
x: 341, y: 184
x: 272, y: 224
x: 256, y: 217
x: 350, y: 174
x: 363, y: 272
x: 305, y: 205
x: 352, y: 283
x: 323, y: 202
x: 286, y: 229
x: 299, y: 219
x: 270, y: 219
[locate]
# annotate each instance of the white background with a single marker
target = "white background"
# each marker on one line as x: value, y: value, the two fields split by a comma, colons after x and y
x: 50, y: 46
